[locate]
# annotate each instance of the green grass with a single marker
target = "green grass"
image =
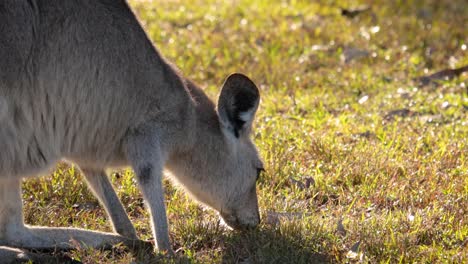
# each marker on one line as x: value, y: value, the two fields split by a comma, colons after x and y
x: 341, y: 165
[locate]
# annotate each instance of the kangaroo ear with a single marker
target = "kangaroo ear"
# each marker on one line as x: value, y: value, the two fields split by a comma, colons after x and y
x: 238, y: 103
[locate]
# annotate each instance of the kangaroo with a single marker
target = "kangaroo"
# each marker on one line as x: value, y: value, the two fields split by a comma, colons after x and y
x: 80, y: 81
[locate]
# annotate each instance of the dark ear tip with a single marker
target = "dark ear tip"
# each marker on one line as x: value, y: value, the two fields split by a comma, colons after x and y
x: 237, y: 75
x: 241, y: 80
x: 238, y: 102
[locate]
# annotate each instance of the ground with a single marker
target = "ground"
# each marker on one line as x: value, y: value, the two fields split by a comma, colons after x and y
x: 365, y: 160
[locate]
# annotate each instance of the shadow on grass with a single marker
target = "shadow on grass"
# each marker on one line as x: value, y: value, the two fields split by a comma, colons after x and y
x: 269, y: 246
x: 14, y: 255
x: 287, y: 243
x: 265, y: 245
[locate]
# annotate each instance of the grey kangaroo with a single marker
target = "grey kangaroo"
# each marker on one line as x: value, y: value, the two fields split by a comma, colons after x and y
x: 80, y: 81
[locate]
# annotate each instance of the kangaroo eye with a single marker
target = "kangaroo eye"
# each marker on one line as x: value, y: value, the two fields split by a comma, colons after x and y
x: 259, y: 171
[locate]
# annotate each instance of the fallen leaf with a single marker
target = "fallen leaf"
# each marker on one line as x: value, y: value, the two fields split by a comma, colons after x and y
x: 340, y: 228
x: 350, y: 54
x: 309, y: 182
x: 297, y: 183
x: 353, y: 252
x: 363, y: 99
x: 303, y: 185
x: 445, y: 105
x: 355, y: 247
x: 436, y: 119
x: 405, y: 112
x: 352, y: 255
x: 443, y: 75
x: 367, y: 134
x: 353, y: 12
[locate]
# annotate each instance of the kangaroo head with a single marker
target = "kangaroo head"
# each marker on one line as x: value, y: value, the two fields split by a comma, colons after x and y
x: 222, y: 168
x: 241, y: 165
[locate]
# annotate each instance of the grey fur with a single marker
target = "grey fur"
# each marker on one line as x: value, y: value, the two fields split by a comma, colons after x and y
x: 79, y: 80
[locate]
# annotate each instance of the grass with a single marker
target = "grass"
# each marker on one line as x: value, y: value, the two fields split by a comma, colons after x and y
x: 362, y: 163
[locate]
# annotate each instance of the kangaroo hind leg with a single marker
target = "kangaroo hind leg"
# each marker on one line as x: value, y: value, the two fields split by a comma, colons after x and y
x: 14, y: 233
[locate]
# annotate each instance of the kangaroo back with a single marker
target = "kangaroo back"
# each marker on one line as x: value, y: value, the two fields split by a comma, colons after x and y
x: 78, y: 75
